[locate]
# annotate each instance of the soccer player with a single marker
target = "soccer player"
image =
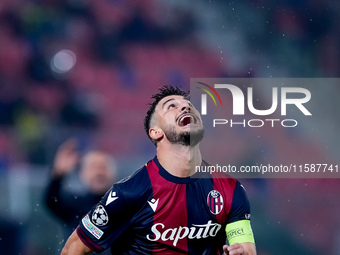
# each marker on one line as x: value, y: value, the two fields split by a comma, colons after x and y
x: 163, y: 208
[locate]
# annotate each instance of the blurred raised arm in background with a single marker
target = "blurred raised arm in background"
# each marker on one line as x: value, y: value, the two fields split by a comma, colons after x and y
x: 97, y: 173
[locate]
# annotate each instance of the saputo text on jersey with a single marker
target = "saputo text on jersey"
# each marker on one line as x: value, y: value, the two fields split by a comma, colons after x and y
x: 175, y: 234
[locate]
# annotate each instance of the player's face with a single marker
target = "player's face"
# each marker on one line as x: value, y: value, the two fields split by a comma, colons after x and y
x: 179, y: 120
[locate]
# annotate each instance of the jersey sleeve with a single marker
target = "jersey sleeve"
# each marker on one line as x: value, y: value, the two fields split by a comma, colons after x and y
x: 106, y: 221
x: 240, y: 207
x: 238, y: 229
x: 109, y: 222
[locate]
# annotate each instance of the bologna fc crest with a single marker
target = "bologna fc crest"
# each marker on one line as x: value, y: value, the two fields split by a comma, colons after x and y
x: 215, y: 202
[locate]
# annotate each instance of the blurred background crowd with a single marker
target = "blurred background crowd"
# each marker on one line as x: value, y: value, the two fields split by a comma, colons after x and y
x: 86, y: 69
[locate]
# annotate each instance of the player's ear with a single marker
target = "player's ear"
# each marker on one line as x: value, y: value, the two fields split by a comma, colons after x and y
x: 156, y: 133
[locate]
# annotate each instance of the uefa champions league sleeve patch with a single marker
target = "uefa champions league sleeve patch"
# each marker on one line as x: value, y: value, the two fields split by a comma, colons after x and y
x: 99, y: 216
x: 95, y: 231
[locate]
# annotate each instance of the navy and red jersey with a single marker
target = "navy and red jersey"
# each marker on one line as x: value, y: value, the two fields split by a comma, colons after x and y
x: 154, y: 212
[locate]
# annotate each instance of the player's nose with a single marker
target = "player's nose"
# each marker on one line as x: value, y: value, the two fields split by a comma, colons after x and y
x: 185, y: 107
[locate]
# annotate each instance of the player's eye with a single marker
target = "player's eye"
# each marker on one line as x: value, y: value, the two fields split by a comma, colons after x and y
x: 171, y: 106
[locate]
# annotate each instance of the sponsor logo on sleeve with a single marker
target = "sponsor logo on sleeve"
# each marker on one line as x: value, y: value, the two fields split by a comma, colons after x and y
x: 111, y: 197
x: 95, y: 231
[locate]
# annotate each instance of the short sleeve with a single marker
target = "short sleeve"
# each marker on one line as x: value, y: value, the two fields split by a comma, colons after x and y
x: 240, y: 207
x: 106, y: 221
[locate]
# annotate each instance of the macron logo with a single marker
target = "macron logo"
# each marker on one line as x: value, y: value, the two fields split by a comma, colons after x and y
x: 112, y: 197
x: 153, y: 203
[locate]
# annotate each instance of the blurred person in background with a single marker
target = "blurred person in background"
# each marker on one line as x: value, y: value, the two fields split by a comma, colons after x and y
x: 97, y: 173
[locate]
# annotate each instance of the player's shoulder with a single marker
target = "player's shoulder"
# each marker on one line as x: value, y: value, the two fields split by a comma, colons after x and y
x: 218, y: 175
x: 223, y: 178
x: 135, y: 186
x: 224, y: 183
x: 128, y: 195
x: 136, y: 177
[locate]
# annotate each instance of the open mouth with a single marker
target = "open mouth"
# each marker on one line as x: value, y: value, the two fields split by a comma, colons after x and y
x: 185, y: 120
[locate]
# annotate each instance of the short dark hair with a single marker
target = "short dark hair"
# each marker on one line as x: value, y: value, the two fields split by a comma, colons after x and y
x: 164, y: 91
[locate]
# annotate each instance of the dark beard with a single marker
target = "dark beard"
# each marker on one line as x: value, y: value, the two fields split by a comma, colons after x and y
x: 185, y: 138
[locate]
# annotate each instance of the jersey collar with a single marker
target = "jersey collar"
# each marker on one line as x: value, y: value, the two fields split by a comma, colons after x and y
x: 175, y: 179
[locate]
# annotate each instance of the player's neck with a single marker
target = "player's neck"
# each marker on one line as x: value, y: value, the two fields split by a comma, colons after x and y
x: 176, y: 159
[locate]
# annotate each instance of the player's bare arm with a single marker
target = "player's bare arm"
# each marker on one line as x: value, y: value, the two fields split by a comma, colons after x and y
x: 75, y: 246
x: 240, y: 249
